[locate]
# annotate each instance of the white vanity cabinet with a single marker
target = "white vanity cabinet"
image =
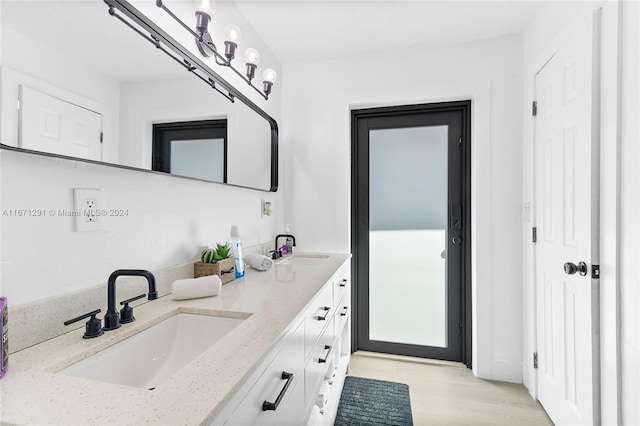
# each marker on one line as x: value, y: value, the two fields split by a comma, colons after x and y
x: 275, y: 392
x: 341, y: 347
x: 316, y: 350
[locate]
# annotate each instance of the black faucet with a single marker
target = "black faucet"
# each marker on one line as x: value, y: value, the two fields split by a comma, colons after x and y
x: 112, y: 318
x: 277, y: 253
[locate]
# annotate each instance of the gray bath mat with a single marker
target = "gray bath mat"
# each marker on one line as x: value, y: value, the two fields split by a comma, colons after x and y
x: 369, y: 402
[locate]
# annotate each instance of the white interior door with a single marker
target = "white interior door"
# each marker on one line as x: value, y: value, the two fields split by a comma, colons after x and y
x: 53, y: 125
x: 567, y: 192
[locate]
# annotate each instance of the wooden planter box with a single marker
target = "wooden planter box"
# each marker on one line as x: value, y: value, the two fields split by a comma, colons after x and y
x: 225, y: 269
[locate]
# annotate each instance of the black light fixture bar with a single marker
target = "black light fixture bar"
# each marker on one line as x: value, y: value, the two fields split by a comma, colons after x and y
x: 151, y: 39
x: 124, y: 7
x: 220, y: 59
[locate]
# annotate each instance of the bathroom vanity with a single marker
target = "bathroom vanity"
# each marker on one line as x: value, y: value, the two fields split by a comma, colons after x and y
x: 293, y: 339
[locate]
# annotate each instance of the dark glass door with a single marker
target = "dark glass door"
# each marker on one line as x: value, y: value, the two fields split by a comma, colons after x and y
x: 411, y: 230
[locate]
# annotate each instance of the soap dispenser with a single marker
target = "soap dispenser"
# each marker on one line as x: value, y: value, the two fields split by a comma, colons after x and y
x: 289, y: 240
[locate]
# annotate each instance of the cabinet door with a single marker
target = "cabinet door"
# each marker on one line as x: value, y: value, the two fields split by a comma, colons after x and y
x: 319, y: 364
x: 277, y: 388
x: 317, y: 317
x: 294, y: 411
x: 341, y: 288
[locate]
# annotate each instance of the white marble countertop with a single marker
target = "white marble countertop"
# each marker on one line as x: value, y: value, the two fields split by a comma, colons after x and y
x: 32, y: 393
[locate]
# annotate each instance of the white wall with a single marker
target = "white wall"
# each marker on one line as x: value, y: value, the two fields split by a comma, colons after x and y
x: 630, y: 212
x: 317, y: 141
x: 169, y: 220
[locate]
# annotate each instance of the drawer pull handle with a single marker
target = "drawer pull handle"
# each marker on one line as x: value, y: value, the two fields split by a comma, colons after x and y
x: 343, y: 283
x: 326, y: 310
x: 273, y: 406
x: 344, y: 313
x: 323, y: 360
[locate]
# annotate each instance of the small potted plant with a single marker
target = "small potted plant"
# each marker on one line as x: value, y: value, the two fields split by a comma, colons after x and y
x: 216, y: 261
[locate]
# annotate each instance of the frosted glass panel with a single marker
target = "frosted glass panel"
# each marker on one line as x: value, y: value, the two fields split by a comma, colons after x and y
x: 198, y: 158
x: 407, y: 238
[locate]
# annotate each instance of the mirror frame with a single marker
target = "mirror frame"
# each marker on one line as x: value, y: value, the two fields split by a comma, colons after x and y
x: 150, y: 27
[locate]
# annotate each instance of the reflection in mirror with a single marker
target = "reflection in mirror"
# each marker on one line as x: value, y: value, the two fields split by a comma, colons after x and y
x: 99, y: 98
x: 195, y: 149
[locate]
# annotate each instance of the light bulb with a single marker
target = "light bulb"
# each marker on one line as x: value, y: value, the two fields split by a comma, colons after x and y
x: 206, y: 6
x: 251, y: 56
x: 269, y: 75
x: 232, y: 33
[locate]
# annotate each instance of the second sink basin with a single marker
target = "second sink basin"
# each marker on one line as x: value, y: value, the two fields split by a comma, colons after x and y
x: 146, y: 359
x: 304, y: 259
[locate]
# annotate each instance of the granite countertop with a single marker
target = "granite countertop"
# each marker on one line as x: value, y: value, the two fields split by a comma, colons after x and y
x: 32, y: 393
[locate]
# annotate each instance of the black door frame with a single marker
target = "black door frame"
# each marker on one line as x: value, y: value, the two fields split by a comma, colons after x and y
x: 359, y: 202
x: 165, y: 133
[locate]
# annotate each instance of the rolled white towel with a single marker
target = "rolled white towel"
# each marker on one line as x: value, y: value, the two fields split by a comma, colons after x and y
x: 194, y: 288
x: 258, y: 261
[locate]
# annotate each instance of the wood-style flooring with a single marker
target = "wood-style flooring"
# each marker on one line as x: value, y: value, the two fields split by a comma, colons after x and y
x: 449, y: 394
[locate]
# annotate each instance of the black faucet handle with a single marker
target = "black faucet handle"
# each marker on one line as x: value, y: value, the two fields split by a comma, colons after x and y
x: 276, y: 254
x: 93, y: 327
x: 126, y: 313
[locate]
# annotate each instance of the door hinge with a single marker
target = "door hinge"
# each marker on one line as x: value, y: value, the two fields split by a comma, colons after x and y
x: 535, y: 360
x: 534, y: 108
x: 101, y: 137
x: 534, y: 235
x: 18, y: 104
x: 460, y: 143
x: 595, y: 272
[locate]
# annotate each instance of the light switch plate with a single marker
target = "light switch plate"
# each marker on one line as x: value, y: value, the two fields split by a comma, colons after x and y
x: 87, y: 204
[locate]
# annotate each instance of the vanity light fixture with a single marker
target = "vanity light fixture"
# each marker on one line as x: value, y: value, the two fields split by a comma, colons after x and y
x: 269, y: 77
x: 251, y: 58
x: 204, y: 13
x: 232, y: 36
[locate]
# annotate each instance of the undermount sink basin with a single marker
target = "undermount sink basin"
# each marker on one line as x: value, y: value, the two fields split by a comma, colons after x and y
x: 304, y: 259
x: 147, y: 358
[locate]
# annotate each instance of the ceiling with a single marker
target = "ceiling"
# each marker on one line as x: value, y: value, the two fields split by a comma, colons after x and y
x: 302, y: 30
x: 294, y: 30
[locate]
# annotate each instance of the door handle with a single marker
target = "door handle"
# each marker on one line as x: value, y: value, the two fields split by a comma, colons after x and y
x: 455, y: 217
x: 571, y: 268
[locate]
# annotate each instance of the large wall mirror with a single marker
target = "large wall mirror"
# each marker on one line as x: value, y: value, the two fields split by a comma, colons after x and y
x: 88, y: 87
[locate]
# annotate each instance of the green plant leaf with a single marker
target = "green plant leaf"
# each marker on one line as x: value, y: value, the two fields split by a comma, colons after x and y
x: 208, y: 256
x: 223, y: 251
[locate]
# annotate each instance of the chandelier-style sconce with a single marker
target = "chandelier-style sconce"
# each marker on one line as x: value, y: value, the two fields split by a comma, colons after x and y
x: 232, y: 36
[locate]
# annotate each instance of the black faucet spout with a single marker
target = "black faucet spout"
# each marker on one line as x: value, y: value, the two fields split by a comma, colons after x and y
x: 112, y: 318
x: 282, y: 236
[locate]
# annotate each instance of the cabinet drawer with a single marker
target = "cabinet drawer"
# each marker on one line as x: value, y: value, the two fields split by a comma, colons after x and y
x: 319, y: 363
x: 278, y: 385
x: 317, y: 318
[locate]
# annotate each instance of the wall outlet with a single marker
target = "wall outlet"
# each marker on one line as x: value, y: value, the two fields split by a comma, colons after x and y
x: 87, y: 205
